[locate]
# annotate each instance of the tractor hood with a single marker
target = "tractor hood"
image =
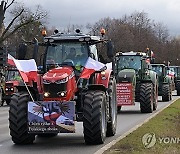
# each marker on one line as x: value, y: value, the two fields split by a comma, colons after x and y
x: 58, y: 74
x: 126, y: 75
x: 13, y: 83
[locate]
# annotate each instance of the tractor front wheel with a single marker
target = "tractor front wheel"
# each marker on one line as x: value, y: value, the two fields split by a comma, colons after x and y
x: 166, y: 92
x: 112, y: 122
x: 94, y: 117
x: 146, y: 98
x: 18, y: 121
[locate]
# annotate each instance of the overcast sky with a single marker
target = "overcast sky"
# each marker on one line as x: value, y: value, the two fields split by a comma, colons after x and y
x: 65, y: 12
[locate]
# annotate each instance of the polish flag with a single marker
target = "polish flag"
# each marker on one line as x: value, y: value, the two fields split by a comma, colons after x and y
x: 27, y: 69
x: 90, y: 67
x: 11, y: 60
x: 171, y: 74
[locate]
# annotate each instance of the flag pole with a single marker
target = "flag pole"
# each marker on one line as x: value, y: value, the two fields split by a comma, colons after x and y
x: 28, y: 91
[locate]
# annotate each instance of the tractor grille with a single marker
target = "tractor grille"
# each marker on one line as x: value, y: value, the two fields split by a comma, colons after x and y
x: 54, y: 88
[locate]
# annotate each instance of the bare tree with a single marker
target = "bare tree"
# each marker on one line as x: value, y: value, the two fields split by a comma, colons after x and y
x: 21, y: 16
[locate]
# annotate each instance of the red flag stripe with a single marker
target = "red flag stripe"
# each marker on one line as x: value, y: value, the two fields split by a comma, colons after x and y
x: 90, y: 67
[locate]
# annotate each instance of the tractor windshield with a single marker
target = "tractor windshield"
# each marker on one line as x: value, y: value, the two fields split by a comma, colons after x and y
x: 157, y: 69
x: 67, y: 53
x: 13, y: 75
x: 133, y: 62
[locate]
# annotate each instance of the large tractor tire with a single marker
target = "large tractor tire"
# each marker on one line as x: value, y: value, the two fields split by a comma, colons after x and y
x: 18, y: 119
x: 94, y: 117
x: 146, y: 97
x: 112, y: 122
x: 178, y: 88
x: 155, y: 97
x: 166, y: 92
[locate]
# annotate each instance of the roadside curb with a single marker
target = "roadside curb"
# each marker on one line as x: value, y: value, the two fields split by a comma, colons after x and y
x: 107, y: 146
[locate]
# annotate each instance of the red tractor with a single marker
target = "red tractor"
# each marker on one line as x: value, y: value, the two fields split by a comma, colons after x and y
x: 61, y: 96
x: 13, y: 79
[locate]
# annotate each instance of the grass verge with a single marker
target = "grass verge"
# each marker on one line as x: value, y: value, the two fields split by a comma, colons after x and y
x: 160, y: 134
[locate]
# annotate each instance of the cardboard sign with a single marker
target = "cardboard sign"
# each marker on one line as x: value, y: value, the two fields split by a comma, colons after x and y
x: 51, y: 117
x: 125, y: 94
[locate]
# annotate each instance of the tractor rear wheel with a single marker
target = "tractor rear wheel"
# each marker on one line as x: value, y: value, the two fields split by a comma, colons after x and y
x: 18, y: 119
x: 166, y: 92
x: 112, y: 122
x: 146, y: 98
x: 94, y: 117
x: 178, y: 88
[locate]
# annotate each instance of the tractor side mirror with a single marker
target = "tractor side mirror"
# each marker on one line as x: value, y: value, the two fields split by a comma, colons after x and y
x: 40, y: 70
x: 22, y: 51
x: 110, y: 53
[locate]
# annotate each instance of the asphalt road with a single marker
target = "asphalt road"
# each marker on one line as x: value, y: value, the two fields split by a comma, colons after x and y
x: 70, y: 143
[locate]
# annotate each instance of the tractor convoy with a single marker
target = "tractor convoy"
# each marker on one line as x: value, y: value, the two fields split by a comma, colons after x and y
x: 72, y: 84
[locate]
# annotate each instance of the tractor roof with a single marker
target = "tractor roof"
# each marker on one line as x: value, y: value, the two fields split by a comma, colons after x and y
x: 158, y: 64
x: 73, y: 37
x: 131, y: 53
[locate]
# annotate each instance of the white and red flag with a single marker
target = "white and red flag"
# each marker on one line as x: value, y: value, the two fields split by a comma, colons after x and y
x: 90, y: 67
x: 171, y: 73
x: 26, y: 68
x: 11, y: 60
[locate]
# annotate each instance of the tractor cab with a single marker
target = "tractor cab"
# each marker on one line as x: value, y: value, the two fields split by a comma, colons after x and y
x: 64, y: 61
x: 133, y: 61
x: 161, y: 70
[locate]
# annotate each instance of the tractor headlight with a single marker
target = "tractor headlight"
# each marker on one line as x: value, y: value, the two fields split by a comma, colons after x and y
x: 12, y: 89
x: 46, y: 94
x: 147, y: 73
x: 46, y: 81
x: 62, y: 93
x: 103, y: 73
x: 6, y: 89
x: 62, y: 81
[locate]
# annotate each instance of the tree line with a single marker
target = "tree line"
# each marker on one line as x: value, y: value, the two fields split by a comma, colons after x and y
x: 134, y: 32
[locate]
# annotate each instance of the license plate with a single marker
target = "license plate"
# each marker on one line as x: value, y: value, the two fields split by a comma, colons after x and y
x: 51, y: 117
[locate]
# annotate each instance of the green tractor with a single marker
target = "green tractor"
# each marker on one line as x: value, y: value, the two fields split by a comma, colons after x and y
x: 136, y: 81
x: 176, y: 70
x: 166, y: 82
